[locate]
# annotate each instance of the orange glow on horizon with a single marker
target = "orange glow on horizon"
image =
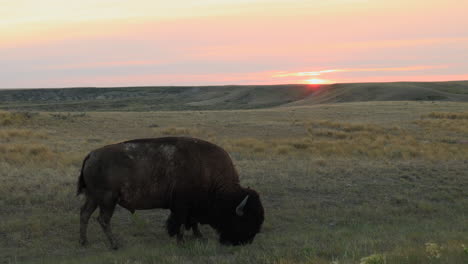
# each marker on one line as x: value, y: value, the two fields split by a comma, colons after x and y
x: 318, y: 81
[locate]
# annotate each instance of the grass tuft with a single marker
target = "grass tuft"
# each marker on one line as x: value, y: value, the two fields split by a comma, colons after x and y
x: 24, y: 153
x: 374, y: 259
x: 178, y: 131
x: 12, y: 134
x: 433, y: 250
x: 447, y: 115
x: 15, y: 118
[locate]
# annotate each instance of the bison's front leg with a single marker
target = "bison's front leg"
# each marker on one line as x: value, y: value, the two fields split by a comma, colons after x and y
x: 175, y: 224
x: 196, y: 231
x: 193, y: 224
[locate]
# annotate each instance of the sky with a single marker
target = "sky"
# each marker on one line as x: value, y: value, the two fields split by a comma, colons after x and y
x: 102, y: 43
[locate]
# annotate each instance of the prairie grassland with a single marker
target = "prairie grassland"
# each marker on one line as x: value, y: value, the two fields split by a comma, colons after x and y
x: 344, y: 183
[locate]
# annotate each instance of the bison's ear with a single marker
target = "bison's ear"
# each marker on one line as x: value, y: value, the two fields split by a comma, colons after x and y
x: 240, y: 207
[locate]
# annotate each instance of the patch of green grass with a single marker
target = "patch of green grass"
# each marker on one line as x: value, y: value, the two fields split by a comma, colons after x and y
x: 314, y: 214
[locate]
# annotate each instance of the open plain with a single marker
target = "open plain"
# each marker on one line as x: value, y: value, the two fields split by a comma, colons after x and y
x: 353, y: 182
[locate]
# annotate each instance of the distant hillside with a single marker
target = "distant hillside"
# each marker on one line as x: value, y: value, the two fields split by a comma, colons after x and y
x: 397, y: 91
x: 152, y: 98
x: 223, y: 97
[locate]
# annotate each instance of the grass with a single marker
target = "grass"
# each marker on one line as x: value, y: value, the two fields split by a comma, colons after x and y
x: 178, y: 131
x: 448, y: 115
x: 456, y: 122
x: 12, y: 134
x: 14, y: 118
x: 343, y: 139
x: 339, y: 184
x: 25, y: 153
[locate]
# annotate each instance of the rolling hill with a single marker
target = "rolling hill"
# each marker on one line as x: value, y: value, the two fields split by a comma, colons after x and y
x: 398, y: 91
x: 224, y: 97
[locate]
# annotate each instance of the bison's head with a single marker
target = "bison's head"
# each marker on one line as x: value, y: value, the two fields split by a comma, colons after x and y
x: 242, y: 220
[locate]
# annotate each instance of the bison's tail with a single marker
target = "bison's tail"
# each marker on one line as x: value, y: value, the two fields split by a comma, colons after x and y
x: 81, y: 183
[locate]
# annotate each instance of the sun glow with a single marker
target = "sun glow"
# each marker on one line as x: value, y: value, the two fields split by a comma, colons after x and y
x: 318, y: 81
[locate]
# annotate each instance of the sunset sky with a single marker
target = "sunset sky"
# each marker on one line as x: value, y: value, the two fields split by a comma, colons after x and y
x: 56, y: 43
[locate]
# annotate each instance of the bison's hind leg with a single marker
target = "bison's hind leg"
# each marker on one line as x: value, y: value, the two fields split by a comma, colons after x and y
x: 174, y: 227
x: 85, y: 213
x: 107, y: 203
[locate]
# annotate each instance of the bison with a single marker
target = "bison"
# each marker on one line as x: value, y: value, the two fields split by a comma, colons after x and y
x: 194, y: 179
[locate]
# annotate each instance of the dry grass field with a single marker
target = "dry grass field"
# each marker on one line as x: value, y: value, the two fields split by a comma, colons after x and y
x: 370, y: 182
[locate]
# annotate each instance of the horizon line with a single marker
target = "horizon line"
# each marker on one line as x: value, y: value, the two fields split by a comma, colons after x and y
x: 281, y: 84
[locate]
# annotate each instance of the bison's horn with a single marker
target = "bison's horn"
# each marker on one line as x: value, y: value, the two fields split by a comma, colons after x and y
x: 240, y: 207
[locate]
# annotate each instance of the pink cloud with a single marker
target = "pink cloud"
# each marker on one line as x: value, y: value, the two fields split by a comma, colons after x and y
x: 385, y: 69
x: 411, y: 78
x: 101, y: 64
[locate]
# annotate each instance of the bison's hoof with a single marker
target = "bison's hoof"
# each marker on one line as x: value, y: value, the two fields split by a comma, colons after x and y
x: 83, y: 242
x: 201, y: 239
x: 114, y: 246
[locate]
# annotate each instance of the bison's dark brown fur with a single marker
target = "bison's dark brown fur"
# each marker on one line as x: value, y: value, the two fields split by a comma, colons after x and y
x: 193, y: 178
